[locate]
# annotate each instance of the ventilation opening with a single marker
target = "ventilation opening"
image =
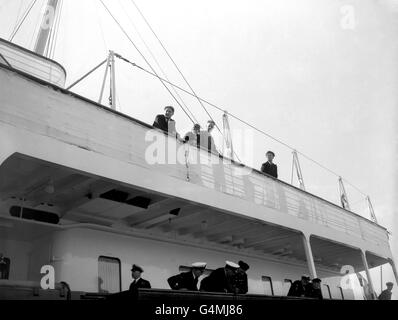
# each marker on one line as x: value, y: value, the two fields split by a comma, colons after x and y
x: 140, y: 202
x: 123, y: 197
x: 36, y: 215
x: 115, y: 195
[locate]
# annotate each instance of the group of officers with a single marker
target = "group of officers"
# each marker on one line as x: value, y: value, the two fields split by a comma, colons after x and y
x: 204, y: 139
x: 305, y: 288
x: 232, y: 278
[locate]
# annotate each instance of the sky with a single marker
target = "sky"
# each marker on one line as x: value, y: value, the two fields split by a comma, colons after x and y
x: 320, y: 75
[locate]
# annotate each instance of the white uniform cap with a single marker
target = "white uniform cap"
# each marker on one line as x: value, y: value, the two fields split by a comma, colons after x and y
x: 232, y: 265
x: 199, y: 265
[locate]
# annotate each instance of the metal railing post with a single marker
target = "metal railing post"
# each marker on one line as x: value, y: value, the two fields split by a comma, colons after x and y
x: 309, y: 256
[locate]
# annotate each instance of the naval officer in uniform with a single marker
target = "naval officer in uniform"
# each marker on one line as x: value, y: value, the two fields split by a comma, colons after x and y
x: 188, y: 280
x: 138, y: 283
x: 299, y: 288
x: 241, y: 281
x: 270, y: 168
x: 314, y: 289
x: 386, y: 294
x: 221, y: 280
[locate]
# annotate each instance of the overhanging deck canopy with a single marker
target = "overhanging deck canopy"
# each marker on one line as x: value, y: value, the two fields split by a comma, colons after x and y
x: 79, y: 198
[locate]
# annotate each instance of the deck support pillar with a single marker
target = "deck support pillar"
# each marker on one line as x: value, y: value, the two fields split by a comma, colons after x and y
x: 394, y: 269
x: 309, y: 256
x: 365, y: 263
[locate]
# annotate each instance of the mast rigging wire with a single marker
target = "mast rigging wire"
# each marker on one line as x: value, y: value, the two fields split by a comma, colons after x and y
x: 102, y: 30
x: 254, y: 128
x: 170, y: 57
x: 179, y: 71
x: 13, y: 34
x: 164, y: 81
x: 146, y: 60
x: 156, y: 60
x: 18, y: 15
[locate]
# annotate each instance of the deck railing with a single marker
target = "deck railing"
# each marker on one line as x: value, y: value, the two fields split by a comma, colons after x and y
x: 267, y: 191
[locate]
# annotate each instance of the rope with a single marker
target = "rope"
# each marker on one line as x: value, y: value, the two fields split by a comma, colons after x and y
x: 147, y: 62
x: 170, y: 57
x: 256, y: 129
x: 179, y: 71
x: 156, y: 60
x: 22, y: 20
x: 36, y: 31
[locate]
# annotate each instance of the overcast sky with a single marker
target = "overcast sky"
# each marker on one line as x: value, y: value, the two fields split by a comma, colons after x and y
x: 320, y: 75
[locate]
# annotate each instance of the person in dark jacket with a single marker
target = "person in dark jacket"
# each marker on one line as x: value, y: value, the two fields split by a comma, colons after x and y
x: 188, y: 280
x: 386, y: 294
x: 241, y: 282
x: 165, y: 122
x: 138, y: 283
x: 221, y: 280
x: 270, y: 167
x: 314, y: 290
x: 299, y: 287
x: 207, y: 140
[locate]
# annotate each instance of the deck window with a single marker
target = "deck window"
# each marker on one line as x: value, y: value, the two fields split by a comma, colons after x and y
x: 109, y: 275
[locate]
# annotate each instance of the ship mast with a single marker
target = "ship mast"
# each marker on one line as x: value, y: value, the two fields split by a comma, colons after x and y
x: 46, y: 26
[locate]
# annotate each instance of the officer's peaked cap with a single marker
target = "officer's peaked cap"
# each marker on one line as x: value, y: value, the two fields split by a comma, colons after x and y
x: 137, y: 268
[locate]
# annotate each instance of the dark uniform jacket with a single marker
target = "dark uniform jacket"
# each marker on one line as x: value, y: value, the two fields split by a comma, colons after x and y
x: 241, y: 283
x: 218, y: 281
x: 161, y: 123
x: 270, y: 169
x: 140, y: 284
x: 184, y: 280
x: 385, y: 295
x: 297, y: 289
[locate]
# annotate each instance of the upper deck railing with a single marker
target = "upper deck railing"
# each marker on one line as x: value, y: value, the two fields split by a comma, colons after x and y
x: 31, y: 63
x: 126, y: 139
x: 267, y: 191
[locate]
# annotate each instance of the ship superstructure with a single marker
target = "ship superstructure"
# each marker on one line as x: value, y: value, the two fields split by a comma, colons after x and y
x: 84, y: 189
